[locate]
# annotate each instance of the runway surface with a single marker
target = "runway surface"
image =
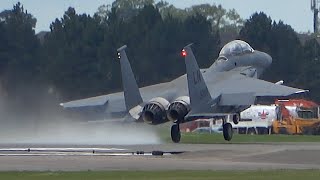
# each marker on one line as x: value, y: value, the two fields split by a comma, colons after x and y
x: 255, y: 156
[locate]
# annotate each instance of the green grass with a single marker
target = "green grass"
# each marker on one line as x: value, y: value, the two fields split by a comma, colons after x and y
x: 206, y: 138
x: 174, y: 175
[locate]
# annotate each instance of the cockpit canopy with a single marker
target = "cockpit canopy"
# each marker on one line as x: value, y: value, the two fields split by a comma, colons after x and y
x: 234, y: 48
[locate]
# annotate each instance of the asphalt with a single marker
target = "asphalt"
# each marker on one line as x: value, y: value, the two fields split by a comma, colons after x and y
x: 257, y: 156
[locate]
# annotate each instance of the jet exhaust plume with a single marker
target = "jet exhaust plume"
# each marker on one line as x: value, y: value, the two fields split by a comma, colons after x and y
x: 75, y: 133
x: 46, y: 124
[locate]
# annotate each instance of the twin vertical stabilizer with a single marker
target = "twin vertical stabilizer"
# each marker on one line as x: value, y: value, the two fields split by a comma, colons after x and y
x: 198, y: 90
x: 200, y: 98
x: 131, y: 91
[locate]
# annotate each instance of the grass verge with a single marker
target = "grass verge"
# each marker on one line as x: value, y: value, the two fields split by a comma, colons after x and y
x: 206, y: 138
x: 174, y: 175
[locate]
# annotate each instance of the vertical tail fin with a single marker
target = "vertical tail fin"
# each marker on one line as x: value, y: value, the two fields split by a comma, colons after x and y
x: 198, y: 90
x: 131, y: 90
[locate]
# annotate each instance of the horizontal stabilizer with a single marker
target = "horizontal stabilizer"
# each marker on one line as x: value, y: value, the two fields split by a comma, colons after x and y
x: 237, y: 99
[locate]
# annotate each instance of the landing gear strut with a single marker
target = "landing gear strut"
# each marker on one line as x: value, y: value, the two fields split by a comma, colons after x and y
x: 175, y: 133
x: 227, y: 131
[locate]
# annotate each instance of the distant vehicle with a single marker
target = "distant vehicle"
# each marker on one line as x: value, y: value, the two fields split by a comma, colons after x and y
x: 226, y: 88
x: 289, y: 116
x: 257, y: 119
x: 297, y: 116
x: 202, y: 130
x: 204, y: 125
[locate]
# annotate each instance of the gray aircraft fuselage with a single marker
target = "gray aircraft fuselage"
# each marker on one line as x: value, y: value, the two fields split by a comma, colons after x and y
x: 178, y: 87
x: 114, y: 104
x: 227, y: 87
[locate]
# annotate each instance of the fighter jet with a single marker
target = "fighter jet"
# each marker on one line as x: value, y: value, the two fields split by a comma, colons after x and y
x: 227, y: 87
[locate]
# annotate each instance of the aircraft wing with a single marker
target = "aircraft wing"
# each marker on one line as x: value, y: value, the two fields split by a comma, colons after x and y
x: 236, y: 83
x: 228, y: 88
x: 88, y: 102
x: 116, y: 104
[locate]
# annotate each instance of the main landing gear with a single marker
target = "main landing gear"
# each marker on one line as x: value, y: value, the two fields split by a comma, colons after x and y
x: 227, y: 131
x: 175, y: 133
x: 227, y: 127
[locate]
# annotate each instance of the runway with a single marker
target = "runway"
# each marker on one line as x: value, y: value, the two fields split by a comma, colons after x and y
x: 255, y: 156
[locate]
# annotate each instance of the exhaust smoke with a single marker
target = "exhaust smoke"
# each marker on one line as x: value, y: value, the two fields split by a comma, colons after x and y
x: 78, y: 134
x: 47, y: 125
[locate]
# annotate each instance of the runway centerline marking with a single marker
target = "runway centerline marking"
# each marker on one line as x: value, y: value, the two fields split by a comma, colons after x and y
x: 63, y: 149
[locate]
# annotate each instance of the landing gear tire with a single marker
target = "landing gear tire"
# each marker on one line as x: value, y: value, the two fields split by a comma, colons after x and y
x: 175, y: 133
x: 236, y: 118
x: 227, y: 131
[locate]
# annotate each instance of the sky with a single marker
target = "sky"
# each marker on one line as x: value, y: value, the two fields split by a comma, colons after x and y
x: 296, y: 13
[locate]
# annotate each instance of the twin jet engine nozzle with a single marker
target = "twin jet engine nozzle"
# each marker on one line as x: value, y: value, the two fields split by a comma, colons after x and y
x: 159, y: 110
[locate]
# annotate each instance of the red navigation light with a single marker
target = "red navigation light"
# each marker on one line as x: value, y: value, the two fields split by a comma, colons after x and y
x: 184, y: 53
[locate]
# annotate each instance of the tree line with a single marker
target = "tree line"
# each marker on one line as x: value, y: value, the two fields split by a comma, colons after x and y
x: 77, y: 58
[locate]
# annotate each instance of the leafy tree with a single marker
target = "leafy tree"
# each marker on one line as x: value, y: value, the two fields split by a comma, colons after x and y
x: 309, y: 77
x: 168, y: 10
x: 19, y: 54
x: 257, y: 31
x: 79, y: 52
x: 286, y: 51
x: 129, y: 8
x: 277, y: 39
x: 233, y: 24
x: 103, y: 13
x: 213, y: 13
x: 74, y: 66
x: 220, y: 18
x: 78, y: 56
x: 131, y: 4
x: 198, y: 30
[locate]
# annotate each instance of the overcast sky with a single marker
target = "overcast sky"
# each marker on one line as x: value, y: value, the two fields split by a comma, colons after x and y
x: 296, y: 13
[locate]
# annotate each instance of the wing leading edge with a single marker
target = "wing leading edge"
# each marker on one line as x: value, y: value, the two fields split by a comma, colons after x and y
x: 88, y: 102
x: 239, y: 84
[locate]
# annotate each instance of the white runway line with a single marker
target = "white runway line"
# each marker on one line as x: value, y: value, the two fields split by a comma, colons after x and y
x: 63, y: 149
x: 80, y: 154
x: 71, y: 154
x: 74, y: 152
